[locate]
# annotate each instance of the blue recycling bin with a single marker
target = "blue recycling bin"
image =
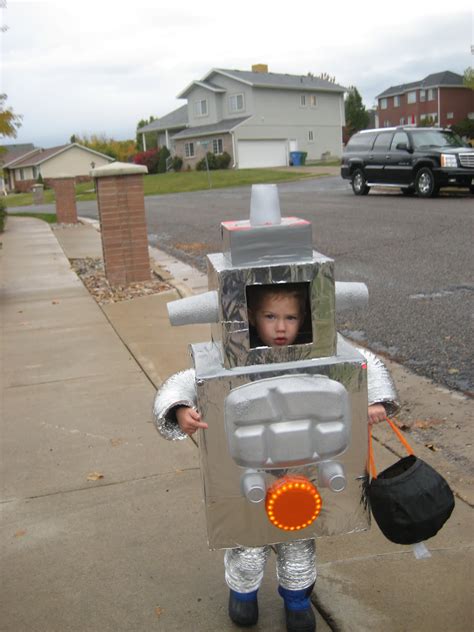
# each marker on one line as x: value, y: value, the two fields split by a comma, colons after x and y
x: 296, y: 158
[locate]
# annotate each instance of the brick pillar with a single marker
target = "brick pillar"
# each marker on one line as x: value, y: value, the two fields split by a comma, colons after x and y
x: 122, y: 222
x: 65, y: 193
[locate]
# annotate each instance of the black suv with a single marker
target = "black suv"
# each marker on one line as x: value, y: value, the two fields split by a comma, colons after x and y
x: 418, y: 160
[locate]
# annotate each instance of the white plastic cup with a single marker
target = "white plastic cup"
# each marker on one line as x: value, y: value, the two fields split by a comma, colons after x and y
x: 264, y: 205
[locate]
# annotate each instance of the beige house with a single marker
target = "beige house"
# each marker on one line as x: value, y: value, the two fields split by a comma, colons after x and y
x: 71, y: 160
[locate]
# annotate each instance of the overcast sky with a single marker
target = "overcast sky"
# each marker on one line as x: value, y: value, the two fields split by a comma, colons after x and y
x: 100, y: 66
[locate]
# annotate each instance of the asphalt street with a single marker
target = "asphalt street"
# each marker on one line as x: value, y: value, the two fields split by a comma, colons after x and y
x: 415, y: 255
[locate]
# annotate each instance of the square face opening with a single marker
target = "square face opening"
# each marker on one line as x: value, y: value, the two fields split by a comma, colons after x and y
x: 279, y: 314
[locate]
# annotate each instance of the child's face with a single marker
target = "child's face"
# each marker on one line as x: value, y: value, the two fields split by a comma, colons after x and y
x: 277, y: 320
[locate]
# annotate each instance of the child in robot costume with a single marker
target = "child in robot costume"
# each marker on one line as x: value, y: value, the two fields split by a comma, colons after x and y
x: 276, y: 315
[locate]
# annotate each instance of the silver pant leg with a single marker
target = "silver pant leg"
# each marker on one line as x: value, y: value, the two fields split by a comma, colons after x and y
x: 296, y: 564
x: 244, y: 567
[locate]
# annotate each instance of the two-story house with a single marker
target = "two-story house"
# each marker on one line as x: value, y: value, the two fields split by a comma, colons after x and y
x: 441, y: 97
x: 256, y: 116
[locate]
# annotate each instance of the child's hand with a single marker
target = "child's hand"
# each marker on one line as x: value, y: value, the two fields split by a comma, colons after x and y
x: 377, y: 413
x: 189, y: 420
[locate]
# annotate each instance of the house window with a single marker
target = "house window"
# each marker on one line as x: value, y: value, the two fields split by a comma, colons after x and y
x: 189, y: 150
x: 217, y: 146
x: 303, y: 100
x: 200, y: 107
x: 313, y: 101
x: 35, y: 173
x: 386, y: 123
x: 383, y: 104
x: 236, y: 102
x: 411, y: 97
x: 422, y: 95
x: 396, y: 101
x: 310, y: 136
x: 22, y: 174
x: 449, y: 115
x: 432, y: 94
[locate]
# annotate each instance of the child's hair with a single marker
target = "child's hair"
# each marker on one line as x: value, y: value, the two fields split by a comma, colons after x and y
x: 257, y: 293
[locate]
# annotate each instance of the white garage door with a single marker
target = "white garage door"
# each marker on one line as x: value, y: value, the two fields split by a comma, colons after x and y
x: 262, y: 153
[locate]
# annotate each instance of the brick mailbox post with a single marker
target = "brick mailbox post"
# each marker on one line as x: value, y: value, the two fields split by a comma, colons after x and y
x: 121, y: 204
x: 65, y: 193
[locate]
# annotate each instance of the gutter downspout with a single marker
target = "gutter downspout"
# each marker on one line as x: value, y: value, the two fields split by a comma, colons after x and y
x: 233, y: 149
x: 167, y: 139
x: 143, y: 141
x: 439, y: 106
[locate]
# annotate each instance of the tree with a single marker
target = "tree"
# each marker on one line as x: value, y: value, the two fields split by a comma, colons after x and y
x: 468, y: 78
x: 9, y: 121
x: 151, y: 139
x: 121, y: 150
x: 428, y: 121
x: 357, y: 117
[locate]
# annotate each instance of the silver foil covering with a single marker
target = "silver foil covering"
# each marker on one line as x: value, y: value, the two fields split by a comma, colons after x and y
x: 244, y: 567
x: 380, y: 386
x: 231, y: 334
x: 178, y: 390
x: 295, y: 566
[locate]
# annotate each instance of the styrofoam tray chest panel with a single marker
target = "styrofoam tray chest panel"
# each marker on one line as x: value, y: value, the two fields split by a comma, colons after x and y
x: 287, y: 420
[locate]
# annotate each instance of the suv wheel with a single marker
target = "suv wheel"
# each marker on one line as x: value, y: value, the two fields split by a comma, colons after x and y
x: 425, y: 185
x: 359, y: 183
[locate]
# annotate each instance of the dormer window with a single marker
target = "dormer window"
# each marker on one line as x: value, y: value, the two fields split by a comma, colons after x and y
x: 236, y: 102
x: 200, y: 107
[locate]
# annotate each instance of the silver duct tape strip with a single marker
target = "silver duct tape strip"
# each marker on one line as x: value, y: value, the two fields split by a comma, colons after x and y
x: 178, y: 390
x: 244, y: 567
x: 380, y: 385
x: 296, y: 564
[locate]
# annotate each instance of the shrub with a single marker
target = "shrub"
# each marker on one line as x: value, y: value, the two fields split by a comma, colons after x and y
x: 164, y: 154
x: 465, y: 128
x: 149, y: 158
x: 221, y: 161
x: 177, y: 163
x: 3, y: 214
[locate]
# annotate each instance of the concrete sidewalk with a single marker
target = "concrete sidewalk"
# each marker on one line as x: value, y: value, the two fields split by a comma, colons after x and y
x: 102, y: 526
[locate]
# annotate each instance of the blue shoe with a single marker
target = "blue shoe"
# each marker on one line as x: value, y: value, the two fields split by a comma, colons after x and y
x: 243, y: 608
x: 298, y: 610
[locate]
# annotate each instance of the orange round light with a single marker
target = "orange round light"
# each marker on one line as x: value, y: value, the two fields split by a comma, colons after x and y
x: 292, y: 503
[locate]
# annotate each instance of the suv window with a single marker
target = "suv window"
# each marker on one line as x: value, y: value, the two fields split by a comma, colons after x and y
x: 383, y: 141
x: 399, y: 137
x: 360, y: 142
x: 423, y: 139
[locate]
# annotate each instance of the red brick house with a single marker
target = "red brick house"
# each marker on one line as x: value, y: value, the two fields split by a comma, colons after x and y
x: 440, y: 96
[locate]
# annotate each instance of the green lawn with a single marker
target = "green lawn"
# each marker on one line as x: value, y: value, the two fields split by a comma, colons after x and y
x: 184, y: 181
x: 47, y: 217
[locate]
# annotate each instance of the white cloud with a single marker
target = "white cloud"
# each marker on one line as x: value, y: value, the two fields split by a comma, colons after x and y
x: 100, y: 66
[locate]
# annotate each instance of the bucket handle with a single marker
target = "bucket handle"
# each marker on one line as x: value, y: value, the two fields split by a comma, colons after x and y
x: 403, y: 441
